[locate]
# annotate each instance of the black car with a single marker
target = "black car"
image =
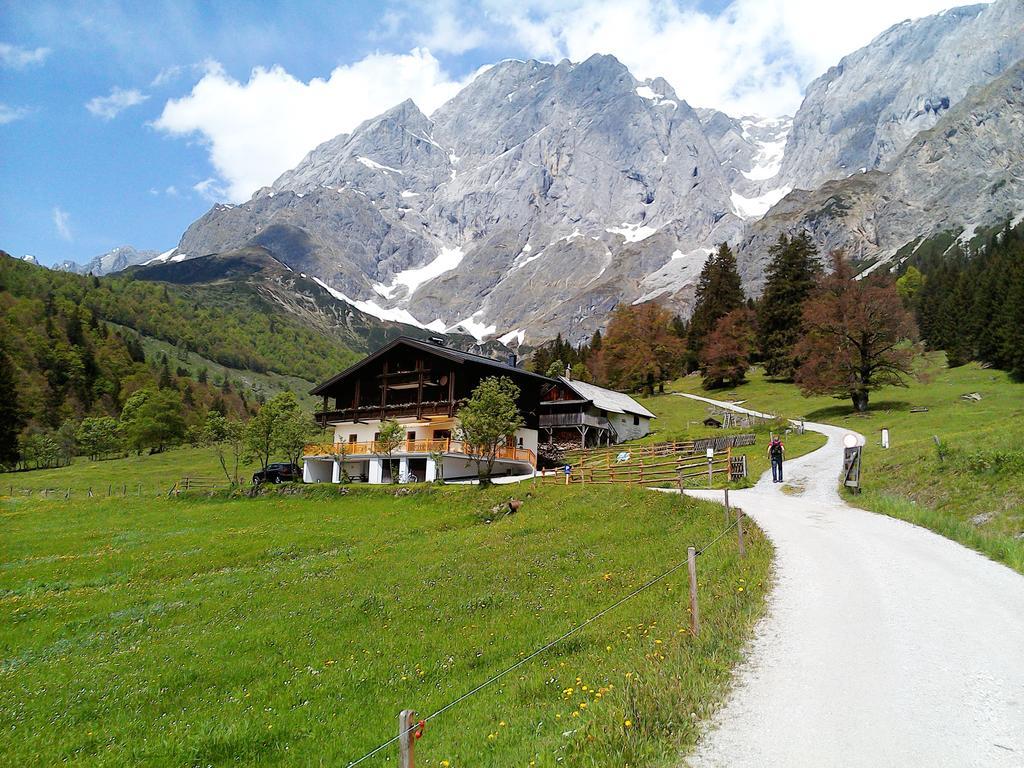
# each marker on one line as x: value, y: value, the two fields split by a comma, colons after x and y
x: 278, y: 473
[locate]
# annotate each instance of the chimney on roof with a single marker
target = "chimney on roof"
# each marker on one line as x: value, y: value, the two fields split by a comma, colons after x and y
x: 512, y: 359
x: 568, y: 372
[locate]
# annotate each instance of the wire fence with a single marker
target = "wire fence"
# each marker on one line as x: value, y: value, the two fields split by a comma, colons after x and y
x: 547, y: 646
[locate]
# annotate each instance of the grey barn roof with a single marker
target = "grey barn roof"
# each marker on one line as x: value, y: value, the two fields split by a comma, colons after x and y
x: 607, y: 399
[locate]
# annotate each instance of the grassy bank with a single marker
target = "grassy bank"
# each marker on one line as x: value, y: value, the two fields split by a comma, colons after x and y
x: 290, y: 630
x: 973, y: 492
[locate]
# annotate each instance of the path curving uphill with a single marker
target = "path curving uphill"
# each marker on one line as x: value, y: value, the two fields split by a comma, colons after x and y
x: 884, y: 644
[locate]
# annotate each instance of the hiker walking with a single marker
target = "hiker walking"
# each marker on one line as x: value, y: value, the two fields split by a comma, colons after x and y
x: 776, y: 452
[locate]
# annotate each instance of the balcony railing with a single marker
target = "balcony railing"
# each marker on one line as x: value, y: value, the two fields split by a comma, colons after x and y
x: 573, y: 420
x: 377, y: 448
x: 432, y: 408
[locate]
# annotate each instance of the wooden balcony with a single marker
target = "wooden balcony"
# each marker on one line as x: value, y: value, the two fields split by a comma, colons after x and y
x: 402, y: 410
x: 407, y: 447
x: 576, y: 419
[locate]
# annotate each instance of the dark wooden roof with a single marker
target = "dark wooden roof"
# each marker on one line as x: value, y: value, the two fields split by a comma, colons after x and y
x: 455, y: 355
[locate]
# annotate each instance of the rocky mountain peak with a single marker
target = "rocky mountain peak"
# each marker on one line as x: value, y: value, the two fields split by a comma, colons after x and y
x: 862, y: 112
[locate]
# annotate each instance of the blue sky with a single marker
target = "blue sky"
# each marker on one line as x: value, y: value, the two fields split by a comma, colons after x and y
x: 121, y: 123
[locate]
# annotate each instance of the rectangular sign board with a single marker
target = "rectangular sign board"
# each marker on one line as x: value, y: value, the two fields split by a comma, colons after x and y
x: 851, y: 467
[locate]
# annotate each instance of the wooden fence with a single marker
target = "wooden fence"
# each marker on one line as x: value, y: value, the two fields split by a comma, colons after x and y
x: 678, y: 469
x: 607, y: 456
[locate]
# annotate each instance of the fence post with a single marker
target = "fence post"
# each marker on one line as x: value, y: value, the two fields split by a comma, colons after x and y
x: 68, y: 494
x: 727, y: 511
x: 109, y: 486
x: 711, y: 461
x: 405, y: 739
x: 691, y: 561
x: 739, y: 532
x: 90, y: 491
x: 680, y: 481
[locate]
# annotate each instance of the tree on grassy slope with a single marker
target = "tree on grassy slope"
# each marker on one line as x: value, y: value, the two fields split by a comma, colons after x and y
x: 388, y: 438
x: 227, y: 438
x: 791, y: 276
x: 488, y: 421
x: 726, y: 356
x: 99, y: 436
x: 718, y: 293
x: 152, y: 419
x: 859, y: 337
x: 639, y: 349
x: 280, y: 427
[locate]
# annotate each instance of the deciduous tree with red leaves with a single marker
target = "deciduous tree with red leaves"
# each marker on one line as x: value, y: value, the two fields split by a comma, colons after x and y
x: 639, y: 349
x: 726, y: 355
x: 858, y: 337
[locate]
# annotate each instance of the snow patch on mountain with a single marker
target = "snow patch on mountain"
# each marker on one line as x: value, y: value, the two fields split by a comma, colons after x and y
x: 756, y: 207
x: 633, y: 233
x: 518, y: 335
x: 478, y: 329
x: 447, y: 260
x: 375, y: 165
x: 372, y: 308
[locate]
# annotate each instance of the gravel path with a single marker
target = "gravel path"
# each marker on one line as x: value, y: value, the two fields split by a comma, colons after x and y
x: 884, y: 644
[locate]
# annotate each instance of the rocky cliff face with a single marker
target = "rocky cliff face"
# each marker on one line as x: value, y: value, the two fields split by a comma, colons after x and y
x: 533, y: 202
x: 964, y: 172
x: 542, y: 195
x: 863, y: 112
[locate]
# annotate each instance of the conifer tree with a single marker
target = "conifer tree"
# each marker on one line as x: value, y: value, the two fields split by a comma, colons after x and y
x: 791, y: 276
x: 718, y: 293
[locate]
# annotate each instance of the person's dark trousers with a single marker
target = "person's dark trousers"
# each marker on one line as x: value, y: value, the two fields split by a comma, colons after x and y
x: 776, y: 470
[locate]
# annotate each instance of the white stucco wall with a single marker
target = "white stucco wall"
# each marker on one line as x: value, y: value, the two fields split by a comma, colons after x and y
x: 626, y: 429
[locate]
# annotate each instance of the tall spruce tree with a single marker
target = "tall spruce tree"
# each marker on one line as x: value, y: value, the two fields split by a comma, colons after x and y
x: 791, y: 276
x: 719, y: 292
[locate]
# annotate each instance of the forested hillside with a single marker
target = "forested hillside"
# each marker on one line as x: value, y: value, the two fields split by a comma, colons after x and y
x: 72, y: 349
x: 969, y: 298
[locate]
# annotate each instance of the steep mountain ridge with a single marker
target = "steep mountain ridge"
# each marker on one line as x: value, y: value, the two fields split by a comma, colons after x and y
x: 862, y: 112
x: 516, y: 207
x: 542, y: 195
x: 965, y: 172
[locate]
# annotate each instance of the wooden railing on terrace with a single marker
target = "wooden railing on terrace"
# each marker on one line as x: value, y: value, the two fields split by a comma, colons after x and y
x: 377, y: 448
x: 392, y: 411
x: 572, y: 420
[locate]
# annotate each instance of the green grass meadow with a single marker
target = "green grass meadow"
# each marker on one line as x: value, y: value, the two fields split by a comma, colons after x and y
x: 156, y: 474
x: 291, y: 629
x: 974, y: 494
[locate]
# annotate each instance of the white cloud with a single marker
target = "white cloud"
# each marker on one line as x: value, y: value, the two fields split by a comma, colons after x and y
x: 256, y: 130
x: 109, y: 107
x: 16, y: 57
x: 755, y: 56
x: 448, y: 32
x: 9, y: 114
x: 167, y: 75
x: 211, y: 189
x: 61, y: 220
